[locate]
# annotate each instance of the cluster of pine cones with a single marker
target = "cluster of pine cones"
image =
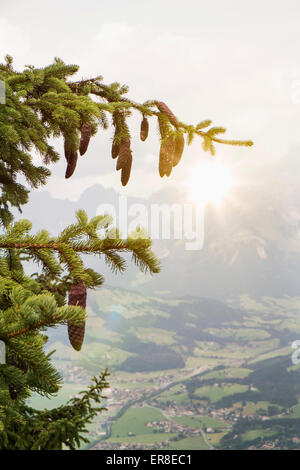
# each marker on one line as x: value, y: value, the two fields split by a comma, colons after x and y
x: 71, y: 155
x: 171, y: 148
x: 124, y: 161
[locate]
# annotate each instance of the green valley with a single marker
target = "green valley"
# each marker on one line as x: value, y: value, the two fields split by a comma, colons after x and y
x: 187, y: 373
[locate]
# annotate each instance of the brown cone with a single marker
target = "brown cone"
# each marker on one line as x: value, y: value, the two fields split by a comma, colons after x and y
x: 86, y: 132
x: 77, y: 296
x: 163, y: 108
x: 124, y: 161
x: 144, y: 129
x: 179, y: 147
x: 76, y: 335
x: 166, y: 156
x: 72, y: 162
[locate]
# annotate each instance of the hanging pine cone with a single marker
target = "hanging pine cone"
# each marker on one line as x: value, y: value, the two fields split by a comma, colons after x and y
x: 124, y: 161
x: 144, y: 129
x: 86, y: 132
x: 166, y: 156
x: 72, y: 162
x: 77, y: 296
x: 163, y: 108
x: 179, y: 147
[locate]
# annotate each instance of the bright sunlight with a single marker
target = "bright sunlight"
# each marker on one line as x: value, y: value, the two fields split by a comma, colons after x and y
x: 210, y: 182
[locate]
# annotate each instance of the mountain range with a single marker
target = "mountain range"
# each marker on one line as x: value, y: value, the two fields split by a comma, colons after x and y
x: 251, y: 243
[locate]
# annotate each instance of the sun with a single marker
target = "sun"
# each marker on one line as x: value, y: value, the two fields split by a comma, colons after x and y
x: 210, y: 182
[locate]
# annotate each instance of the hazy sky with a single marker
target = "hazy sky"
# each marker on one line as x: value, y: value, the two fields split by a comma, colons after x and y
x: 234, y: 62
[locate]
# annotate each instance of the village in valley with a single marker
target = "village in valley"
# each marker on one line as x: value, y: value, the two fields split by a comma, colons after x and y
x: 147, y: 393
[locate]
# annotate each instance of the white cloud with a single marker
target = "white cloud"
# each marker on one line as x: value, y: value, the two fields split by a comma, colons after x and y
x: 14, y: 41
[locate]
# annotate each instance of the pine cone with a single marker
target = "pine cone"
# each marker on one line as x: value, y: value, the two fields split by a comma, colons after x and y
x: 163, y: 108
x: 72, y: 162
x: 144, y: 129
x: 77, y: 296
x: 166, y: 156
x: 124, y: 161
x: 179, y: 147
x: 86, y: 132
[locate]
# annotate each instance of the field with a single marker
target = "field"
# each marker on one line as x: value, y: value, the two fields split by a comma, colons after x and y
x: 67, y: 392
x: 217, y: 392
x: 200, y: 422
x: 143, y: 438
x: 134, y: 420
x: 191, y: 443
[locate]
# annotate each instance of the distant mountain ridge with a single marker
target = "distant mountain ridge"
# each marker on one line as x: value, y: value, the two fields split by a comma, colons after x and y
x: 251, y: 246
